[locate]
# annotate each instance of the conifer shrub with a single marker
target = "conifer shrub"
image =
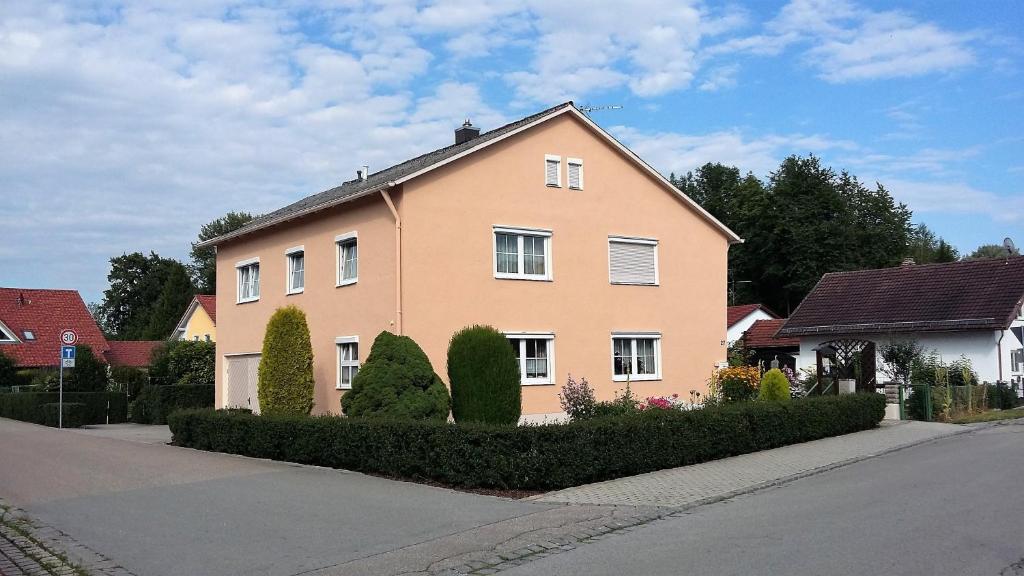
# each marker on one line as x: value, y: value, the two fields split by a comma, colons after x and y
x: 285, y: 380
x: 484, y: 377
x: 774, y: 387
x: 397, y: 381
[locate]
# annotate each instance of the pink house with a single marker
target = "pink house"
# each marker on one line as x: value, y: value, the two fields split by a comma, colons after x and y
x: 547, y: 228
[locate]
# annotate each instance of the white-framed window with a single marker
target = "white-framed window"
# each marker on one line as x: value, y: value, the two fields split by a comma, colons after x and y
x: 636, y: 356
x: 348, y: 360
x: 296, y: 280
x: 633, y: 261
x: 348, y: 258
x: 522, y: 253
x: 248, y: 280
x: 575, y: 173
x: 552, y: 170
x: 7, y: 335
x: 535, y: 352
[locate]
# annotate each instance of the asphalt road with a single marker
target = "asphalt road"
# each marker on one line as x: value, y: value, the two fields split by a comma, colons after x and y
x: 167, y: 511
x: 951, y: 507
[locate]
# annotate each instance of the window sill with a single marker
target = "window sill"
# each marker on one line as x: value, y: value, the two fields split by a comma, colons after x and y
x: 635, y: 284
x: 536, y: 383
x: 340, y: 387
x: 247, y: 301
x: 293, y: 292
x: 530, y: 278
x: 575, y: 188
x: 638, y: 378
x: 553, y: 185
x: 346, y: 282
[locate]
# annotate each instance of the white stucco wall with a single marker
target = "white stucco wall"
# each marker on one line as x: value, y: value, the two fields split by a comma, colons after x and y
x: 980, y: 346
x: 736, y: 330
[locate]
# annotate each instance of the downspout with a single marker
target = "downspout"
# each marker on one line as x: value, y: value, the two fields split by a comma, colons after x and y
x: 398, y: 256
x: 999, y: 353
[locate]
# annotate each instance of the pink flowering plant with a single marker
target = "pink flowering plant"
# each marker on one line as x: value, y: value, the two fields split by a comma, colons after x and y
x: 577, y: 399
x: 796, y: 388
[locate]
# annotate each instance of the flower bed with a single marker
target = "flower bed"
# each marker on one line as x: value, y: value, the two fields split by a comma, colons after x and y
x: 527, y: 457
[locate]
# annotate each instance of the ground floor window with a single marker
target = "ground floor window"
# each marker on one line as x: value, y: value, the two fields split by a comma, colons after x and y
x: 636, y: 357
x: 348, y: 360
x: 535, y: 354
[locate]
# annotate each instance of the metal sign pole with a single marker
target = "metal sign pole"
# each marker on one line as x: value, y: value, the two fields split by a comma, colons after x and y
x: 60, y: 402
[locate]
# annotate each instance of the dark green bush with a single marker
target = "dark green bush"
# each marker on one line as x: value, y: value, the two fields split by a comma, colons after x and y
x: 285, y: 383
x: 74, y: 414
x: 88, y: 375
x: 528, y: 457
x: 397, y: 381
x: 8, y: 371
x: 1001, y: 396
x: 154, y: 403
x: 99, y: 406
x: 184, y: 362
x: 484, y: 377
x: 128, y: 379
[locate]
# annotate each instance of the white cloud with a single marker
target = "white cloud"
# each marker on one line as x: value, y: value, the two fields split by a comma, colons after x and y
x: 952, y: 197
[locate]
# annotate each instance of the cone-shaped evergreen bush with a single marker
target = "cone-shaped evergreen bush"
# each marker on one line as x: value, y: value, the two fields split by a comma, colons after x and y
x: 484, y: 376
x: 285, y: 381
x: 774, y: 386
x: 397, y: 381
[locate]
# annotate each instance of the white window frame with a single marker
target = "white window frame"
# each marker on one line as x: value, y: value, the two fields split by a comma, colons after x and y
x: 635, y: 240
x: 523, y: 337
x: 337, y: 359
x: 7, y: 336
x: 574, y: 162
x: 558, y: 172
x: 548, y: 274
x: 289, y: 256
x: 238, y: 280
x: 633, y: 337
x: 339, y: 267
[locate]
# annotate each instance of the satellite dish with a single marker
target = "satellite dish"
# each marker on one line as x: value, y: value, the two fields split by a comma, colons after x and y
x: 1010, y: 248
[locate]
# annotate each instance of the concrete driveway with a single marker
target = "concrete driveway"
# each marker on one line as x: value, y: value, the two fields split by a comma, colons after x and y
x: 163, y: 510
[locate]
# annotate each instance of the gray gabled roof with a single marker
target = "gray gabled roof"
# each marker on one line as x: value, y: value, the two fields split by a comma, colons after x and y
x: 376, y: 181
x: 409, y: 169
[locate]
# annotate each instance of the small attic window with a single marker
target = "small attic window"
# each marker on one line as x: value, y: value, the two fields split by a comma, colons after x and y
x: 6, y: 336
x: 29, y: 335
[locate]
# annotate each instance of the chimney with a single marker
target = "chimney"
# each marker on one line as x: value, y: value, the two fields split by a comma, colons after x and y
x: 466, y: 133
x: 363, y: 172
x: 908, y: 261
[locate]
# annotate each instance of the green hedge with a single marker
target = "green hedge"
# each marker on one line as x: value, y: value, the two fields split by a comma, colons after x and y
x: 27, y: 406
x: 528, y: 457
x: 74, y: 414
x: 154, y: 403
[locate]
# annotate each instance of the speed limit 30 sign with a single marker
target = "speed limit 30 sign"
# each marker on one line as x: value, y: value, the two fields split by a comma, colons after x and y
x: 68, y: 337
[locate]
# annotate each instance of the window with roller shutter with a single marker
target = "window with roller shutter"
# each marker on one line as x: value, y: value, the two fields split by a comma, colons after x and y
x: 552, y: 170
x: 633, y: 261
x: 575, y: 173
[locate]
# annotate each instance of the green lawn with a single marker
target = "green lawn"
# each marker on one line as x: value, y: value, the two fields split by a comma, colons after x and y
x: 990, y: 416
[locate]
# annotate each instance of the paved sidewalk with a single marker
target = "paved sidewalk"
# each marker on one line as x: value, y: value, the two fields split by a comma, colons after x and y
x: 710, y: 481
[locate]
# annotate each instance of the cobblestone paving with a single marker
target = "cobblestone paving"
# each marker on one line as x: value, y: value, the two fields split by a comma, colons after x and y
x: 722, y: 478
x: 28, y: 548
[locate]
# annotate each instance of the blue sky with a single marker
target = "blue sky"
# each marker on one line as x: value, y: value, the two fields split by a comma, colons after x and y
x: 126, y: 126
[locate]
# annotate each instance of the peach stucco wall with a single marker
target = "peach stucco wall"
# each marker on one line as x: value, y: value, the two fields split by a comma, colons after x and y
x: 448, y: 218
x: 448, y: 281
x: 362, y: 309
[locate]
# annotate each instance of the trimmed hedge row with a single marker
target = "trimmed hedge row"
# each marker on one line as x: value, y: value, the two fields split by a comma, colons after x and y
x: 528, y: 457
x: 28, y: 406
x: 74, y: 413
x: 154, y: 403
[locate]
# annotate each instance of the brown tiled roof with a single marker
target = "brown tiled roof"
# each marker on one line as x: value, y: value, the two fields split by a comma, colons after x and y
x: 135, y: 353
x: 46, y: 313
x: 761, y: 334
x: 971, y: 294
x: 209, y: 303
x: 737, y: 313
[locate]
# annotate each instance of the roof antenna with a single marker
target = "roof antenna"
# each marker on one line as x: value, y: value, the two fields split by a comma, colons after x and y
x: 1011, y: 250
x: 587, y: 109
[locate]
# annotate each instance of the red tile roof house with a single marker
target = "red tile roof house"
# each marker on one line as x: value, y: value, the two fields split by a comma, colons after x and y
x: 970, y: 308
x: 761, y: 342
x: 32, y: 320
x: 742, y: 317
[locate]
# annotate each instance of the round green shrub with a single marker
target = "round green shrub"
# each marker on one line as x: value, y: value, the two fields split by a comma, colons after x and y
x: 285, y: 382
x: 484, y: 377
x: 397, y: 381
x: 774, y: 386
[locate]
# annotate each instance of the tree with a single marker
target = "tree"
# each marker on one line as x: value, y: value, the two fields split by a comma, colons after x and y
x: 88, y: 375
x: 806, y: 220
x: 204, y: 260
x: 992, y: 251
x: 484, y: 377
x: 926, y: 248
x: 899, y: 360
x: 8, y: 370
x: 774, y: 387
x: 397, y: 381
x: 136, y: 283
x: 174, y: 298
x: 285, y: 378
x: 946, y: 253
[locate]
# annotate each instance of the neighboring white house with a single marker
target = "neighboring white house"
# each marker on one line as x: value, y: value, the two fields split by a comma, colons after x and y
x: 969, y: 308
x: 742, y: 317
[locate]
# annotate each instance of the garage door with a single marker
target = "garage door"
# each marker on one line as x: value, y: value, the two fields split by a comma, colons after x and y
x: 241, y: 371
